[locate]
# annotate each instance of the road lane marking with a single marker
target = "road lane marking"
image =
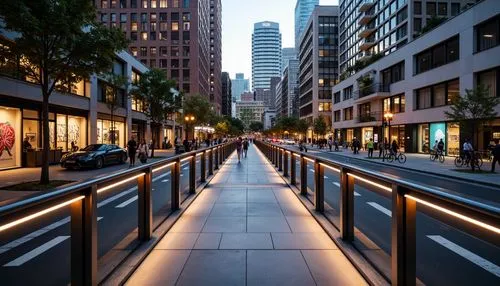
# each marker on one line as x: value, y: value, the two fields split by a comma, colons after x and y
x: 164, y: 181
x: 325, y: 177
x: 472, y: 257
x: 380, y: 208
x: 185, y: 168
x: 336, y: 184
x: 37, y: 251
x: 356, y: 194
x: 127, y: 202
x: 312, y: 170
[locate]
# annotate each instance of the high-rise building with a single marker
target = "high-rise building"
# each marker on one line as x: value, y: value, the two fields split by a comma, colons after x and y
x: 287, y: 54
x: 264, y: 95
x: 226, y: 94
x: 250, y: 111
x: 266, y: 54
x: 247, y: 96
x: 318, y: 68
x: 274, y: 82
x: 239, y: 86
x: 288, y: 89
x: 216, y: 54
x: 170, y: 35
x: 380, y: 26
x: 303, y: 10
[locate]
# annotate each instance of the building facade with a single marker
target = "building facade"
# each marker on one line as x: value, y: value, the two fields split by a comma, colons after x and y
x: 250, y: 111
x: 274, y: 83
x: 226, y: 94
x: 269, y: 118
x: 303, y: 10
x: 264, y: 95
x: 266, y: 54
x: 416, y: 83
x: 287, y: 55
x: 288, y: 90
x: 247, y: 96
x: 239, y: 86
x: 318, y: 64
x: 81, y: 116
x: 382, y: 26
x: 216, y: 54
x: 171, y: 35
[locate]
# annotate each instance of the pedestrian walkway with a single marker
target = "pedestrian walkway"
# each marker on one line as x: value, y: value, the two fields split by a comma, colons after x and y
x: 422, y: 163
x: 246, y: 228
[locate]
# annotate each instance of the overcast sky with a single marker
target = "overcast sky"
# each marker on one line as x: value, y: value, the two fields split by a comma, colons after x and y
x: 238, y: 18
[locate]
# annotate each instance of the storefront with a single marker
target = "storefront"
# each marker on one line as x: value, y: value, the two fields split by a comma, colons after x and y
x: 139, y: 130
x: 430, y: 133
x: 111, y: 132
x: 366, y: 135
x: 10, y: 137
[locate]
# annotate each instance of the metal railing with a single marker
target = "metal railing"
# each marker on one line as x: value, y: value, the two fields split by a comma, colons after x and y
x: 370, y: 117
x: 477, y: 219
x: 82, y: 200
x: 371, y: 89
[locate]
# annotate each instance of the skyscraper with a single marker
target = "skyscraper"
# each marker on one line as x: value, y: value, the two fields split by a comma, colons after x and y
x: 303, y: 9
x: 239, y: 85
x: 170, y: 35
x: 266, y: 54
x: 381, y: 27
x: 287, y: 55
x: 216, y: 54
x: 226, y: 94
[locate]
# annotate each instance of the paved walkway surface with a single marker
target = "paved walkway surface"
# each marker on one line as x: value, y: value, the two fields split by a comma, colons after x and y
x: 20, y: 175
x: 421, y: 163
x: 246, y: 228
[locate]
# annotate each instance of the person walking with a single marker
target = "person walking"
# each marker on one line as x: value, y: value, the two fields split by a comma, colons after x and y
x: 369, y: 145
x: 496, y: 155
x: 330, y: 143
x: 143, y: 152
x: 239, y: 146
x: 381, y: 149
x: 245, y: 147
x: 132, y: 148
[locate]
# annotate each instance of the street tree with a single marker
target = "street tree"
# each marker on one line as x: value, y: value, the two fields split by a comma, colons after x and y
x: 57, y: 42
x: 246, y: 115
x: 302, y: 127
x: 115, y: 89
x: 156, y: 93
x: 222, y: 128
x: 473, y: 110
x: 237, y: 127
x: 256, y: 126
x: 198, y: 106
x: 319, y: 126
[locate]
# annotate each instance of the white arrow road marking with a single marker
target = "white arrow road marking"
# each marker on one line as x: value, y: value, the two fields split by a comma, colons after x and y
x: 380, y: 208
x: 35, y: 252
x: 472, y: 257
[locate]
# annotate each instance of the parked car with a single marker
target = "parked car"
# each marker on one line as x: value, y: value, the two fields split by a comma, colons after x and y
x: 289, y: 141
x: 94, y: 156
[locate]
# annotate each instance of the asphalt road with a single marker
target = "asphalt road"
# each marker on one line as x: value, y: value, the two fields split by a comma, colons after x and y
x: 38, y: 253
x: 445, y: 255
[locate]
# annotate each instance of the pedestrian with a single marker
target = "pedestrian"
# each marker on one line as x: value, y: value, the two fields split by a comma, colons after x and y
x: 132, y: 148
x: 370, y: 148
x: 496, y: 155
x: 468, y: 151
x: 394, y: 147
x: 239, y: 145
x: 355, y: 145
x: 330, y: 143
x: 336, y: 144
x: 245, y: 146
x: 143, y: 151
x: 381, y: 149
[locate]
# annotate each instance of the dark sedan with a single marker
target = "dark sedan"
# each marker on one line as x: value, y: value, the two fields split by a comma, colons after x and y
x: 94, y: 156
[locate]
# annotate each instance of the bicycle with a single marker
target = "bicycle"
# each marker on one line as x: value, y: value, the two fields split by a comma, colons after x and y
x: 439, y: 156
x: 400, y: 157
x: 461, y: 161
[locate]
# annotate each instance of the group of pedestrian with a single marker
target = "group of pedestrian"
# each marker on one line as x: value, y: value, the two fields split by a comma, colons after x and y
x: 140, y: 151
x: 356, y: 145
x: 242, y: 148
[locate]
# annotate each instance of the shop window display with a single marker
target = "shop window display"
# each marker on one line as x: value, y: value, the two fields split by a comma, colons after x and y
x: 453, y: 132
x: 109, y: 134
x: 423, y: 138
x: 10, y: 133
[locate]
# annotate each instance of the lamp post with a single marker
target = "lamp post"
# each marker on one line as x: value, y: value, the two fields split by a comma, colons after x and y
x: 388, y: 117
x: 188, y: 119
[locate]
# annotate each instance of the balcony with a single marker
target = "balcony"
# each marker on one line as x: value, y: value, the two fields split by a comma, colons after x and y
x: 365, y: 5
x: 366, y: 17
x: 371, y: 92
x: 367, y: 43
x: 369, y: 117
x: 367, y: 30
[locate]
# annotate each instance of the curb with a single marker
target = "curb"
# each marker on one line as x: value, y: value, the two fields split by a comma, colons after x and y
x: 493, y: 185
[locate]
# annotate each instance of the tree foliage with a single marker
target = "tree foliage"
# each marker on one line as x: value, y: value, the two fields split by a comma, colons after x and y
x: 246, y: 115
x: 222, y: 128
x: 476, y: 105
x: 200, y: 107
x: 113, y: 85
x: 57, y: 43
x: 319, y: 126
x: 256, y: 126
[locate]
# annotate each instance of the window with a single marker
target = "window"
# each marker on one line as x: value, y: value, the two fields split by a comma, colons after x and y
x: 348, y: 93
x: 394, y: 104
x: 144, y: 52
x: 437, y: 95
x: 325, y: 106
x: 175, y: 26
x: 487, y: 34
x: 144, y: 36
x: 417, y: 8
x: 442, y: 53
x: 163, y: 4
x: 113, y: 3
x: 455, y: 9
x: 133, y: 51
x: 185, y: 3
x: 144, y: 3
x: 163, y: 51
x: 336, y: 116
x: 176, y: 3
x: 163, y: 16
x: 123, y: 3
x: 153, y: 3
x: 491, y: 80
x: 417, y: 25
x: 442, y: 9
x: 133, y: 3
x: 104, y: 4
x: 152, y: 51
x: 393, y: 73
x: 348, y: 113
x: 430, y: 8
x: 336, y: 97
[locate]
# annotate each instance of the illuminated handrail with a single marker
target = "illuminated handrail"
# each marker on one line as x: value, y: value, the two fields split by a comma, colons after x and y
x: 476, y: 218
x: 81, y: 197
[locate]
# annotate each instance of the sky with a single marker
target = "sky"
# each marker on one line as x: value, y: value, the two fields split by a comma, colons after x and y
x: 238, y: 17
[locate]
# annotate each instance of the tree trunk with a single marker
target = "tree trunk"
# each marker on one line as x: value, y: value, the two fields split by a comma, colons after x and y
x: 44, y: 175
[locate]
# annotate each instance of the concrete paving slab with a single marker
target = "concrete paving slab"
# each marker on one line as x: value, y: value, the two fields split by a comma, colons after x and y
x: 246, y: 241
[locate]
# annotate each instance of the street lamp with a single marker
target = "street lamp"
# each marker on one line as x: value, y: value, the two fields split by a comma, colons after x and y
x: 388, y: 117
x: 188, y: 119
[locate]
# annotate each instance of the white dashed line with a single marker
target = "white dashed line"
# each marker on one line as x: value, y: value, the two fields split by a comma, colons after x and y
x: 356, y: 194
x: 312, y: 170
x: 127, y: 202
x: 164, y: 181
x: 380, y: 208
x: 325, y: 177
x: 35, y: 252
x: 472, y: 257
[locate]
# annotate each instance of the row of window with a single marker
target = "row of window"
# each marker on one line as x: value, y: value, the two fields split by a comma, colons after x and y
x: 144, y: 3
x: 175, y: 51
x: 436, y: 9
x: 438, y: 55
x: 437, y: 95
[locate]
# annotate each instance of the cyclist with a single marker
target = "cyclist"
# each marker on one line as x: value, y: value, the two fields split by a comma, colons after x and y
x: 394, y: 148
x: 468, y: 149
x: 440, y: 147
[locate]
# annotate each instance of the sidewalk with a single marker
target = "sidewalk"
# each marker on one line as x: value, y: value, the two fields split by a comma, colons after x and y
x: 246, y: 228
x: 20, y: 175
x: 422, y: 163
